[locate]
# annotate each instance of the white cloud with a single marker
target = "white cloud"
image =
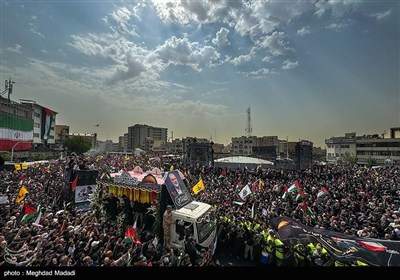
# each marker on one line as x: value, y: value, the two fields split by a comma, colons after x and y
x: 33, y: 27
x: 382, y: 15
x: 221, y: 38
x: 122, y: 17
x: 266, y: 59
x: 131, y: 70
x: 258, y: 74
x: 303, y: 31
x: 44, y: 51
x: 180, y: 51
x: 287, y: 64
x: 336, y: 9
x: 276, y: 43
x: 241, y: 59
x: 16, y: 49
x: 337, y: 26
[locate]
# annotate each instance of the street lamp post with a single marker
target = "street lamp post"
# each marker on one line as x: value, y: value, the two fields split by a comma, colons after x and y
x: 12, y: 151
x: 13, y: 147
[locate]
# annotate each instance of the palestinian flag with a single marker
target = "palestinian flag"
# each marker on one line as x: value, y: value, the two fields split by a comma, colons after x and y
x: 321, y: 194
x: 307, y: 210
x: 286, y: 193
x: 131, y: 235
x: 49, y: 119
x: 300, y: 196
x: 295, y: 187
x: 38, y: 217
x: 29, y: 213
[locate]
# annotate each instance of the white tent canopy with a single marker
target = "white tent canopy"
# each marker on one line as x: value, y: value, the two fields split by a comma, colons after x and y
x: 241, y: 161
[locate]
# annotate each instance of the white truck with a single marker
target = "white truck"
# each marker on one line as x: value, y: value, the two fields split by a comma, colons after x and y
x: 196, y: 219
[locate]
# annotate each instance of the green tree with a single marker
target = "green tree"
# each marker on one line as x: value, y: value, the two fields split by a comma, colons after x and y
x: 371, y: 162
x: 349, y: 158
x: 77, y: 144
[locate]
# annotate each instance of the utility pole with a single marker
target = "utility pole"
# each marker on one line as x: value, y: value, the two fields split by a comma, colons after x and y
x: 287, y: 147
x: 8, y: 88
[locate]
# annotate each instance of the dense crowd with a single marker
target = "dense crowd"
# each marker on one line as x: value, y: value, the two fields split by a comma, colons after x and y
x: 359, y: 201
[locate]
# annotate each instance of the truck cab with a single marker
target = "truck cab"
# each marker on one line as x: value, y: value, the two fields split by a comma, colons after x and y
x: 196, y: 219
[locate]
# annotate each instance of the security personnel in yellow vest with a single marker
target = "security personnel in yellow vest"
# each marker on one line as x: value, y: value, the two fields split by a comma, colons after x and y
x: 360, y: 263
x: 299, y: 254
x: 320, y: 255
x: 270, y: 247
x: 279, y: 252
x: 309, y: 250
x: 338, y: 263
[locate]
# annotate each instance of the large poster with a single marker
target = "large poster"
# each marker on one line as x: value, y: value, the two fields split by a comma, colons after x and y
x: 82, y: 193
x: 177, y: 189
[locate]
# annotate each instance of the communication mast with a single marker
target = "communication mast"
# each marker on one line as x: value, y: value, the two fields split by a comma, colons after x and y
x: 248, y: 123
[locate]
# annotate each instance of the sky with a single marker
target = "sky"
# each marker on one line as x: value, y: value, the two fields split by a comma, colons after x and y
x: 307, y: 69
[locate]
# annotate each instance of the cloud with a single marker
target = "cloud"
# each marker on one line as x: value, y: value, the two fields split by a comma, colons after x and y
x: 337, y: 26
x: 276, y: 43
x: 303, y: 31
x: 221, y: 38
x: 382, y: 15
x: 336, y: 9
x: 180, y: 51
x: 122, y: 17
x: 241, y: 59
x: 33, y: 27
x: 287, y: 64
x: 16, y: 49
x: 131, y: 70
x: 266, y: 59
x: 258, y: 74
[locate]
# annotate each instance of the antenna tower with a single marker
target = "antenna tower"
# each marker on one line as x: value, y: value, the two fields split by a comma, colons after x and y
x: 248, y: 123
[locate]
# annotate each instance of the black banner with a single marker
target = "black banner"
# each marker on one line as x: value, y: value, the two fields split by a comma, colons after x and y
x: 342, y: 247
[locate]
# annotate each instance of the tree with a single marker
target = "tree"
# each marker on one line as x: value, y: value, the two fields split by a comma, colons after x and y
x: 77, y: 144
x: 349, y: 158
x: 371, y: 162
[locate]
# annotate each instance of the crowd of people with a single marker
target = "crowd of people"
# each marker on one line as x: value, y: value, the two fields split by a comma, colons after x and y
x: 359, y: 201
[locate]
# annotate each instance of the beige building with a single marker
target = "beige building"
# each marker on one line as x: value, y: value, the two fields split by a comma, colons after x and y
x: 385, y: 150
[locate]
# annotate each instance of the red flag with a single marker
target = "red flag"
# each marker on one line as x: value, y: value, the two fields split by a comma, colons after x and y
x: 223, y: 172
x: 74, y: 183
x: 131, y: 235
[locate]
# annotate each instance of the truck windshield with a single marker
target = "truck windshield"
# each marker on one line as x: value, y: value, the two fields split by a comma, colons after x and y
x: 204, y: 229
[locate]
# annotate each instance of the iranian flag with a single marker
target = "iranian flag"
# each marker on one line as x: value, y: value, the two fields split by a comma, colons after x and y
x: 29, y: 213
x: 49, y: 118
x: 15, y: 133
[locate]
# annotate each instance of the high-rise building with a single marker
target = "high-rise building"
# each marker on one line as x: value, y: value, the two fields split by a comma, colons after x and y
x: 140, y: 135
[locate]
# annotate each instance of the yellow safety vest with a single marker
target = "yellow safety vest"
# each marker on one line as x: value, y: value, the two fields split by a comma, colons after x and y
x: 279, y: 249
x: 360, y: 263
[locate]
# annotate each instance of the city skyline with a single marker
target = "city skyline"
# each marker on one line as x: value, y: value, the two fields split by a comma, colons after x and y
x: 307, y: 69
